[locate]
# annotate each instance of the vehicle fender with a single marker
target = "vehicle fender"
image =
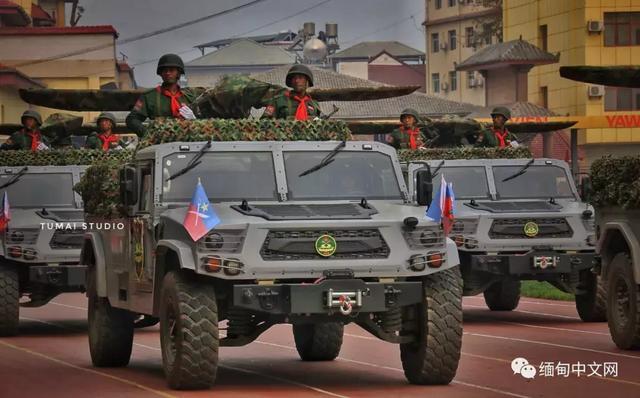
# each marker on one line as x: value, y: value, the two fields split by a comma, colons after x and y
x: 607, y: 241
x: 93, y: 242
x: 184, y: 252
x: 453, y: 259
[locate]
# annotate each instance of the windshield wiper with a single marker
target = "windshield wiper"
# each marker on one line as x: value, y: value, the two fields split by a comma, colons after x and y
x: 437, y: 169
x: 15, y: 178
x: 326, y: 161
x: 520, y: 172
x: 192, y: 163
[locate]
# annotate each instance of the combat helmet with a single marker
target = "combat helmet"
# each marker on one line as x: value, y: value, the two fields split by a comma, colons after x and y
x: 108, y: 116
x: 32, y: 114
x: 299, y: 70
x: 410, y: 112
x: 501, y: 110
x: 170, y: 61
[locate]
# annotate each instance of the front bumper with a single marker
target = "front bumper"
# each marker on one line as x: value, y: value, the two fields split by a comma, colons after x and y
x: 533, y: 263
x: 61, y: 276
x: 325, y: 297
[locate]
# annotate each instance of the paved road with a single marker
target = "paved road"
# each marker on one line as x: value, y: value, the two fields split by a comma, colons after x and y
x: 50, y: 359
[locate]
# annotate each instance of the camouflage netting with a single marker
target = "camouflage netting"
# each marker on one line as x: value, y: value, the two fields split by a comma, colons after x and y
x: 464, y: 153
x: 99, y: 186
x: 60, y: 158
x: 172, y: 130
x: 616, y: 182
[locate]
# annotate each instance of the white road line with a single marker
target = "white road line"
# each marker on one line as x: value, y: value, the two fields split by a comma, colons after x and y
x: 554, y: 328
x: 530, y: 312
x: 68, y: 306
x: 528, y: 302
x: 568, y: 347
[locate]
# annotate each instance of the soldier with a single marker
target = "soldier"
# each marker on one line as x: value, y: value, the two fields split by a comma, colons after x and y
x: 295, y: 104
x: 29, y: 137
x: 105, y: 139
x: 408, y: 135
x: 166, y: 100
x: 503, y: 138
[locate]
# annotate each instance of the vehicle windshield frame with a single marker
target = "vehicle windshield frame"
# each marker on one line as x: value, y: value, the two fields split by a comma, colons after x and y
x: 163, y: 173
x: 338, y: 160
x: 527, y: 174
x: 14, y: 202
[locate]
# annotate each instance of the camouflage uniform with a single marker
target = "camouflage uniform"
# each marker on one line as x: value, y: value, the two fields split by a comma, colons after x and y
x: 285, y: 105
x: 400, y: 138
x: 502, y: 138
x: 153, y: 104
x: 23, y: 139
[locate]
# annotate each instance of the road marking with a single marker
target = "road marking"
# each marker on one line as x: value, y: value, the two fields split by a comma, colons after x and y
x: 569, y: 347
x: 554, y: 328
x: 92, y: 371
x: 68, y: 306
x: 529, y: 302
x: 531, y: 312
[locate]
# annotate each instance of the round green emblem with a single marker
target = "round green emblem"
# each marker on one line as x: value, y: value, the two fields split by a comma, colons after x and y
x: 531, y: 229
x: 326, y: 245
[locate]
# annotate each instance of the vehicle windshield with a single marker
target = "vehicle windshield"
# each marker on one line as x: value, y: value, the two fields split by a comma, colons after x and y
x: 38, y: 190
x: 468, y: 182
x: 536, y: 182
x: 351, y: 175
x: 225, y: 176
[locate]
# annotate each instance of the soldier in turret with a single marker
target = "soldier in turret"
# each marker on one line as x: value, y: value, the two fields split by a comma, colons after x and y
x: 29, y: 137
x: 296, y: 103
x: 409, y: 135
x: 105, y: 139
x: 168, y: 100
x: 501, y: 137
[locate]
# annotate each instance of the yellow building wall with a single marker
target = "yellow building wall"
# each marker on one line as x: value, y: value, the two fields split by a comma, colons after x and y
x: 567, y: 33
x: 11, y: 106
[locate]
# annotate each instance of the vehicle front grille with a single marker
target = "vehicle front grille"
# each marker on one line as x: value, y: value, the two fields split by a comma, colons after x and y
x: 21, y: 236
x: 356, y: 244
x: 424, y: 238
x: 67, y: 239
x: 514, y: 228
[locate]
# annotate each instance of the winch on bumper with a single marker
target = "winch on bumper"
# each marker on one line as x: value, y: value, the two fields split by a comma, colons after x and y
x: 62, y: 276
x: 330, y: 296
x: 533, y: 262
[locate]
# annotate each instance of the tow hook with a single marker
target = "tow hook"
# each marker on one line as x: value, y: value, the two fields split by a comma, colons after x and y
x: 345, y: 302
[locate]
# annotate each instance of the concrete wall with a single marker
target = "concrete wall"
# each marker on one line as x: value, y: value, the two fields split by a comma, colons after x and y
x: 11, y: 106
x: 355, y: 69
x: 501, y: 86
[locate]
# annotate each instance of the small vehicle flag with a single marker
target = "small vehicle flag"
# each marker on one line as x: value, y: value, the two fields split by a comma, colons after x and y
x: 5, y: 215
x: 201, y: 217
x: 442, y: 207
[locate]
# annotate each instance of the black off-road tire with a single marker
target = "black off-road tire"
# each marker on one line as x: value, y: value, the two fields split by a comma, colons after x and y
x: 110, y: 329
x: 9, y: 300
x: 592, y: 305
x: 318, y: 342
x: 623, y: 303
x: 188, y: 332
x: 503, y: 295
x: 434, y: 357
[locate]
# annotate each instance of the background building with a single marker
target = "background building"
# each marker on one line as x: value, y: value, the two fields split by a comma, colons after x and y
x: 584, y: 32
x: 455, y: 29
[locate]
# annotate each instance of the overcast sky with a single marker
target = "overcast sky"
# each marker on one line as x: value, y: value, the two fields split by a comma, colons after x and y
x: 358, y: 20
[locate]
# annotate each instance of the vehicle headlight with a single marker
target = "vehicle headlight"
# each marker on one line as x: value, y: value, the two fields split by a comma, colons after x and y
x: 428, y: 238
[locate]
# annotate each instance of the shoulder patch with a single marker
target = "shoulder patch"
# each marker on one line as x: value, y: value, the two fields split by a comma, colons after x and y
x: 269, y: 110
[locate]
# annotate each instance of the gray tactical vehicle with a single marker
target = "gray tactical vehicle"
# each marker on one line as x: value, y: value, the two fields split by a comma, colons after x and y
x: 315, y: 234
x: 520, y: 219
x: 40, y: 249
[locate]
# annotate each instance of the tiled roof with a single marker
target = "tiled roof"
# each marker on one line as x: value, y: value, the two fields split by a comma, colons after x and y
x: 37, y: 13
x: 518, y: 109
x: 245, y: 52
x: 378, y: 109
x: 55, y: 30
x: 514, y: 52
x: 370, y: 49
x: 14, y: 9
x: 16, y: 74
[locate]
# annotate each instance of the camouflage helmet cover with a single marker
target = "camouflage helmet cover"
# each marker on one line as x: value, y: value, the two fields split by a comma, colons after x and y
x: 410, y: 112
x: 32, y: 114
x: 170, y: 61
x: 108, y: 116
x: 501, y: 110
x: 299, y: 70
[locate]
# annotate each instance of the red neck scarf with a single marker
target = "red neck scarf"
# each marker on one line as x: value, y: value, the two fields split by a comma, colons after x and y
x: 175, y: 104
x: 501, y: 136
x: 301, y: 111
x: 413, y: 136
x: 107, y: 140
x: 36, y: 138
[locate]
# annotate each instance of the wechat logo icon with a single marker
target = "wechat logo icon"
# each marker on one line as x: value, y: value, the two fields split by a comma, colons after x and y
x: 522, y: 367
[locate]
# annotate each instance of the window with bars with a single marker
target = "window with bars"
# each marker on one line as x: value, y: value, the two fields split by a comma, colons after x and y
x: 453, y: 80
x: 452, y: 3
x: 543, y: 35
x: 435, y: 82
x: 621, y: 29
x: 438, y: 4
x: 435, y: 42
x: 453, y: 40
x: 469, y: 39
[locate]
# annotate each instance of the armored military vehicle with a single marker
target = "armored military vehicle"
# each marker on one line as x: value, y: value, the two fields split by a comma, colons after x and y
x: 315, y: 234
x: 613, y: 188
x: 519, y: 219
x: 40, y: 246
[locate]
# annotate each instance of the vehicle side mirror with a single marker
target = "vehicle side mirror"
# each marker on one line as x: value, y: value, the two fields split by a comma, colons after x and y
x: 585, y: 189
x: 128, y: 186
x: 424, y: 187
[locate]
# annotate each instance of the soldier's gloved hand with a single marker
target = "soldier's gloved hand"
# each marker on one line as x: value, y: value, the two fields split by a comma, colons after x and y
x: 187, y: 113
x: 317, y: 118
x: 514, y: 144
x: 42, y: 147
